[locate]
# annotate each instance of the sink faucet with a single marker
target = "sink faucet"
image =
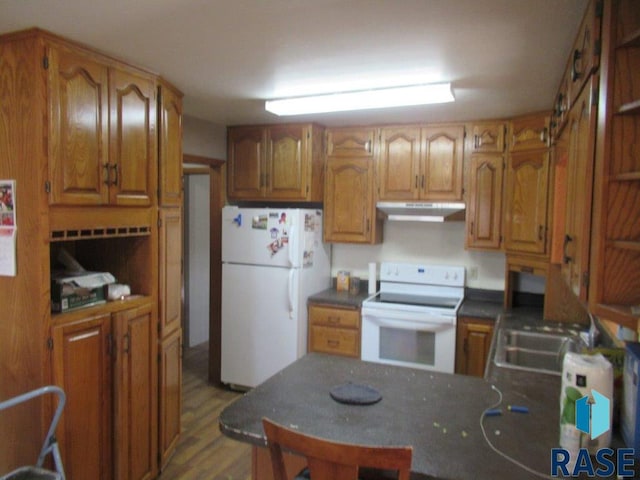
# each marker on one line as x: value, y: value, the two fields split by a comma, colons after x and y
x: 592, y: 334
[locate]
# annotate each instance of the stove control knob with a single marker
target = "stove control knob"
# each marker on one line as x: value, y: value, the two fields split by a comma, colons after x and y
x: 446, y: 276
x: 455, y: 276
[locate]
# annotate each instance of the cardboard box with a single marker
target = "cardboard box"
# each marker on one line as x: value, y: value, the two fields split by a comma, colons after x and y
x: 69, y: 292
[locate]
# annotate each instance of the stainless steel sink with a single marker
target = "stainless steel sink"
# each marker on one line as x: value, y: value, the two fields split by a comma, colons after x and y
x: 534, y: 351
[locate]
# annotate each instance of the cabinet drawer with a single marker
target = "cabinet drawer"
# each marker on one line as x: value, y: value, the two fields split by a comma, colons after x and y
x: 336, y: 317
x: 340, y: 341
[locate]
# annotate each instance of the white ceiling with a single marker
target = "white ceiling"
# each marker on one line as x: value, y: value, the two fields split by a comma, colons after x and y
x: 503, y: 57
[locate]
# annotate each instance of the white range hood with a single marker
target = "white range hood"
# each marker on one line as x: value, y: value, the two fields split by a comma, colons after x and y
x: 422, y: 212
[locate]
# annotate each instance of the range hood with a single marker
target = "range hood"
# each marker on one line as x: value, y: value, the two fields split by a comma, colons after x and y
x: 422, y: 212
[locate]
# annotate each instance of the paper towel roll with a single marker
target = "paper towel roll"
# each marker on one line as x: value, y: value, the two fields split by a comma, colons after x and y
x: 372, y: 279
x: 581, y: 374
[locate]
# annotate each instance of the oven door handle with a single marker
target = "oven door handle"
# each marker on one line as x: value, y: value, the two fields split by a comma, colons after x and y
x: 397, y: 320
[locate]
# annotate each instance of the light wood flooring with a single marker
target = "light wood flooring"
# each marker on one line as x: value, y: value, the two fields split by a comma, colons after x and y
x: 203, y: 453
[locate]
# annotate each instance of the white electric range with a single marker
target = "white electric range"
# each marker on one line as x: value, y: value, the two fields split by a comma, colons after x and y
x: 411, y: 321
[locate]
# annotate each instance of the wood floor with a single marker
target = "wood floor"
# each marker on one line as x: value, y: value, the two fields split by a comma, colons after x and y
x: 203, y: 453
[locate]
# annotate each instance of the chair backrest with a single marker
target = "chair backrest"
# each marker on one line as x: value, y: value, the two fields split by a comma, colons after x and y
x: 328, y: 460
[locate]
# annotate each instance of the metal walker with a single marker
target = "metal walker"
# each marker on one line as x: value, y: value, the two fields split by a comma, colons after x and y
x: 50, y: 444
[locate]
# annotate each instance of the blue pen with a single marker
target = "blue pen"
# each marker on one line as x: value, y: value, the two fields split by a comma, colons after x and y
x: 518, y: 409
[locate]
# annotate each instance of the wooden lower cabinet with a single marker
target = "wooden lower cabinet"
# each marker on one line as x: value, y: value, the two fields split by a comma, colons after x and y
x: 170, y: 395
x: 334, y: 329
x: 473, y: 342
x: 82, y: 366
x: 136, y: 394
x: 107, y: 365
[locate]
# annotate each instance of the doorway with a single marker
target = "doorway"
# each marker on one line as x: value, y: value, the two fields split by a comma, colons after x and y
x: 203, y: 176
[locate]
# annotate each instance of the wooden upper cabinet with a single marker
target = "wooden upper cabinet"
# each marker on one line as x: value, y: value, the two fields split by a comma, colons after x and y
x: 277, y: 162
x: 286, y: 169
x: 441, y: 162
x: 484, y: 203
x: 79, y: 128
x: 579, y: 141
x: 421, y: 163
x: 526, y: 198
x: 399, y: 163
x: 244, y: 163
x: 349, y: 209
x: 350, y: 142
x: 103, y: 131
x: 585, y: 54
x: 133, y: 152
x: 487, y: 137
x: 528, y: 133
x: 170, y: 146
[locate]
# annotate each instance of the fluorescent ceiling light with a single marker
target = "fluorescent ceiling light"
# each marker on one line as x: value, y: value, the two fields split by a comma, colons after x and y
x: 364, y: 99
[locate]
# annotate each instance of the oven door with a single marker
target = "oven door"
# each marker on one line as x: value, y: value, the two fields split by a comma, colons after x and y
x: 424, y: 341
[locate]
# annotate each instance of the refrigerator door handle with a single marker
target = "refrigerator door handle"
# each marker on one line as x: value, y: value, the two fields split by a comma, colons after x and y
x: 293, y: 247
x: 292, y: 282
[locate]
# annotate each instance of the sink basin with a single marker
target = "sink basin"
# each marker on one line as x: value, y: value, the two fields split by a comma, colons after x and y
x: 534, y: 351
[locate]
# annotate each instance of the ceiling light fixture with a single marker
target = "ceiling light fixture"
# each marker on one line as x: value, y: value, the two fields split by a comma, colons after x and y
x: 364, y: 99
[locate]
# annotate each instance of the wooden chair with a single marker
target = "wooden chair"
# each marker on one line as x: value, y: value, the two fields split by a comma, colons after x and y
x: 329, y: 460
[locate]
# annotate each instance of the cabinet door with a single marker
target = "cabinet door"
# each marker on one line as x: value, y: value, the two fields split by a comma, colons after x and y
x: 170, y: 394
x: 580, y: 158
x: 348, y: 206
x: 79, y: 128
x: 484, y: 207
x: 442, y: 153
x: 487, y: 138
x: 245, y: 160
x: 133, y: 152
x: 170, y: 147
x: 526, y: 202
x: 170, y: 270
x: 136, y: 394
x: 82, y: 367
x: 473, y: 344
x: 350, y: 142
x: 287, y: 162
x: 529, y: 133
x: 399, y: 163
x: 585, y: 55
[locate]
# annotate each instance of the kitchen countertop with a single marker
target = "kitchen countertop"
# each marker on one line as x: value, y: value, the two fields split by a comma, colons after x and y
x: 331, y: 296
x: 437, y: 413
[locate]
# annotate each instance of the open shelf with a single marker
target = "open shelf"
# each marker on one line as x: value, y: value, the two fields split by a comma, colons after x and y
x: 626, y: 245
x: 631, y: 40
x: 626, y: 177
x: 630, y: 108
x: 620, y: 314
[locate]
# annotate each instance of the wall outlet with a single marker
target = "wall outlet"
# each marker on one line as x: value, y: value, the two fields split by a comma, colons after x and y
x: 473, y: 273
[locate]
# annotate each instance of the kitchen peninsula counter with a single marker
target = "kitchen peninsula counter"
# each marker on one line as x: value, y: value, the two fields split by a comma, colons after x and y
x: 437, y: 413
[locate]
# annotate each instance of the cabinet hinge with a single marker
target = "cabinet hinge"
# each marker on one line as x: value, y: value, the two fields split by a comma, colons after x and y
x: 50, y: 343
x: 308, y: 135
x: 585, y: 279
x: 159, y: 222
x: 45, y: 62
x: 159, y: 326
x: 47, y: 186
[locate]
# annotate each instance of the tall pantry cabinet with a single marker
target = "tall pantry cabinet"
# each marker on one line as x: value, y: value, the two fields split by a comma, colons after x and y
x: 80, y: 134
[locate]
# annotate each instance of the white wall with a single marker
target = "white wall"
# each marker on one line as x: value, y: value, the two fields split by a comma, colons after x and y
x: 197, y: 254
x: 203, y: 138
x: 416, y: 242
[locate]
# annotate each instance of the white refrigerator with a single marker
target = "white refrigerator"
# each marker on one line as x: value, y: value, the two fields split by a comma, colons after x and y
x: 272, y: 260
